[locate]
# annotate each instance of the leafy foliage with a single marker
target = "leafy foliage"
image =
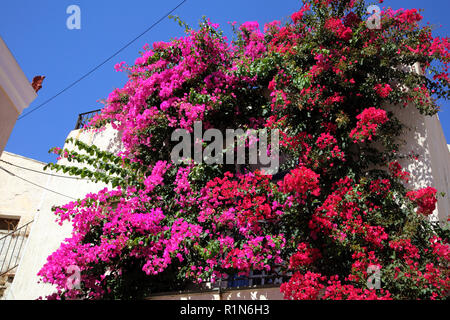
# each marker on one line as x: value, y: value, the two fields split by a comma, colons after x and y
x: 340, y: 206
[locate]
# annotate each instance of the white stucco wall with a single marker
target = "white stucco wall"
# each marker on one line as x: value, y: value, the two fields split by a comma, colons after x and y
x: 19, y: 199
x: 16, y: 93
x: 8, y: 117
x: 46, y: 235
x: 424, y: 137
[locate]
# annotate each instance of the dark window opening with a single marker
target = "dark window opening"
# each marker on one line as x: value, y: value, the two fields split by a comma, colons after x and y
x: 8, y: 224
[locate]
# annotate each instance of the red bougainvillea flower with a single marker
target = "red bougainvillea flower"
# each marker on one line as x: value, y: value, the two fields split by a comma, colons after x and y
x: 303, y: 286
x: 338, y: 291
x: 369, y: 120
x: 297, y: 16
x: 383, y: 90
x: 351, y: 20
x: 397, y: 171
x: 305, y: 256
x: 300, y: 181
x: 325, y: 140
x: 338, y: 28
x: 425, y: 198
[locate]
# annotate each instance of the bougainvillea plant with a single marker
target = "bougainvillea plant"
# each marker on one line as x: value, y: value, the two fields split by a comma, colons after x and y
x: 339, y: 206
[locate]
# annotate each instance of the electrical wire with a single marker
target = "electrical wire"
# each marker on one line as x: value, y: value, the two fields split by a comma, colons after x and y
x: 101, y: 64
x: 35, y: 184
x: 41, y: 172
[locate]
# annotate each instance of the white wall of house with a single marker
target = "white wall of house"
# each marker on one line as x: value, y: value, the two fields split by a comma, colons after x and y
x: 424, y: 137
x: 46, y: 235
x: 16, y: 93
x: 19, y: 199
x: 18, y: 202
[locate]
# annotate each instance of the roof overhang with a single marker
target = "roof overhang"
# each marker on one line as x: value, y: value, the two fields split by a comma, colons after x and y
x: 13, y: 81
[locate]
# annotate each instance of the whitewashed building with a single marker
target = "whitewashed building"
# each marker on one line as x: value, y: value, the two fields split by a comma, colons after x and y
x: 16, y: 93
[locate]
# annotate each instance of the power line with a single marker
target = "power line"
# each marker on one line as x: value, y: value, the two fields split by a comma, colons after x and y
x: 41, y: 172
x: 101, y: 64
x: 37, y: 185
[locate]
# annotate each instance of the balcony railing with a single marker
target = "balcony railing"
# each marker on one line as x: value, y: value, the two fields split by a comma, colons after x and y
x: 254, y: 279
x: 85, y: 118
x: 11, y: 246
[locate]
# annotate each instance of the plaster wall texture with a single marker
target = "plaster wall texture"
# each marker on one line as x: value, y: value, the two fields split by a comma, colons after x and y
x: 8, y: 117
x: 18, y: 201
x: 425, y: 138
x: 46, y: 235
x: 18, y: 198
x: 16, y: 93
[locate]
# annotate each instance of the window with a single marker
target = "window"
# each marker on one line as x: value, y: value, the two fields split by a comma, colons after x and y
x: 8, y: 225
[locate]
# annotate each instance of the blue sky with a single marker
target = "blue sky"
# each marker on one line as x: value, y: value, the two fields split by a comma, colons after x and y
x: 36, y: 33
